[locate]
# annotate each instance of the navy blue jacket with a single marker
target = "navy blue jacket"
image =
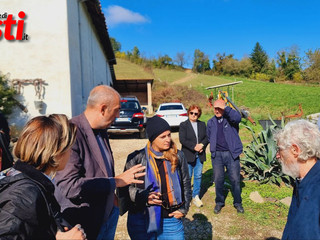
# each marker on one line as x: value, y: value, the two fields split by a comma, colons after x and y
x: 231, y: 120
x: 304, y: 212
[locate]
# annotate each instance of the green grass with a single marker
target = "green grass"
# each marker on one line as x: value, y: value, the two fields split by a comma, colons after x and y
x: 264, y: 98
x: 271, y: 214
x: 260, y: 98
x: 127, y: 70
x: 169, y: 76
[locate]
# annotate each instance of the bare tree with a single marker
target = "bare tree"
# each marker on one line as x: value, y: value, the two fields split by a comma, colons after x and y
x: 180, y: 59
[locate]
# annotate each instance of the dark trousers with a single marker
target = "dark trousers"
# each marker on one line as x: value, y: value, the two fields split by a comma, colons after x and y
x: 221, y: 161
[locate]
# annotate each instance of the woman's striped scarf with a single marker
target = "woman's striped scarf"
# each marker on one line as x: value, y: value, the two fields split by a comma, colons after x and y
x: 153, y: 181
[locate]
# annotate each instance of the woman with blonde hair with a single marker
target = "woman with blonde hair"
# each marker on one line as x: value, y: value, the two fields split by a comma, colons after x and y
x: 156, y: 207
x: 29, y: 209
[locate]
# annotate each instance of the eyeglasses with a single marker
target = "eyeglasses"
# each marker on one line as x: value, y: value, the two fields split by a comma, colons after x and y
x: 194, y: 113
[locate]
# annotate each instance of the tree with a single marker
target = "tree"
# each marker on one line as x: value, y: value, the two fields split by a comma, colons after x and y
x: 164, y: 61
x: 289, y: 63
x: 312, y: 61
x: 136, y: 52
x: 201, y: 62
x: 259, y: 58
x: 116, y: 46
x: 219, y: 65
x: 180, y: 59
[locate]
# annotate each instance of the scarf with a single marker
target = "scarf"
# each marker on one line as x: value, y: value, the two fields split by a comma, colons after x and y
x: 153, y: 181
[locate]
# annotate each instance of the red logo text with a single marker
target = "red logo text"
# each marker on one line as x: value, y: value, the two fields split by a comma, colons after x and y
x: 9, y: 23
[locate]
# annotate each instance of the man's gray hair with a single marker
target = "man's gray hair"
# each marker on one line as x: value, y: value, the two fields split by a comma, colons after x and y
x: 101, y: 94
x: 304, y: 134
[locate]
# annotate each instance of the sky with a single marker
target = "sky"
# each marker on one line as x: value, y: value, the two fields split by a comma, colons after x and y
x: 213, y: 26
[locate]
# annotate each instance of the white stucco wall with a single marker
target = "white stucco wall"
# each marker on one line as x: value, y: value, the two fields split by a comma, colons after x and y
x: 63, y: 50
x: 88, y: 64
x: 45, y: 55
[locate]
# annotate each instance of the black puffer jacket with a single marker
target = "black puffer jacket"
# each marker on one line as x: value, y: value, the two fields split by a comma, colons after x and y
x: 134, y: 198
x: 28, y: 208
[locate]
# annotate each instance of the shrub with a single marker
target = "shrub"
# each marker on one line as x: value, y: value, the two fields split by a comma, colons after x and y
x: 297, y: 77
x: 259, y: 162
x: 261, y: 76
x: 168, y: 93
x: 7, y: 93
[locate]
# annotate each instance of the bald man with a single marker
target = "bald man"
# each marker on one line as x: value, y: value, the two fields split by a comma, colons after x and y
x: 86, y: 187
x: 225, y: 147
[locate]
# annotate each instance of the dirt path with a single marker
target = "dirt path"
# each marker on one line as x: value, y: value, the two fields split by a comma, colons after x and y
x: 200, y: 223
x: 187, y: 78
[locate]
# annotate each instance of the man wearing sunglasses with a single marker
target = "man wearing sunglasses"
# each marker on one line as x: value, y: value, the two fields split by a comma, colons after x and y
x: 225, y: 147
x: 193, y: 138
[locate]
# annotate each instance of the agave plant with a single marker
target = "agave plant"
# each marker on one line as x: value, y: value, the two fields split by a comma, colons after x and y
x: 259, y: 161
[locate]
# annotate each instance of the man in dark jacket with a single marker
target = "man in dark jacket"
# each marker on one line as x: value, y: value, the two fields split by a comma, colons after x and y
x: 298, y: 153
x: 86, y: 187
x: 225, y: 147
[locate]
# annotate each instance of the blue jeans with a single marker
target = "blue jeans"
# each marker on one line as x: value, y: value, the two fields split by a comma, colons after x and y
x: 171, y: 228
x: 108, y: 229
x: 197, y: 170
x: 219, y: 162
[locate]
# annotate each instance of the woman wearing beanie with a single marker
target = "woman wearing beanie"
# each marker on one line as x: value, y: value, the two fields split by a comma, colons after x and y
x: 155, y: 208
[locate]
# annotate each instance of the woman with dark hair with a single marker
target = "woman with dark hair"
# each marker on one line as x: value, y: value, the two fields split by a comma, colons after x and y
x: 29, y: 209
x: 156, y: 207
x: 194, y: 140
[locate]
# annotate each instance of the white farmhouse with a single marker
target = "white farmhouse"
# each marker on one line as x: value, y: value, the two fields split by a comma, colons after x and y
x: 65, y: 53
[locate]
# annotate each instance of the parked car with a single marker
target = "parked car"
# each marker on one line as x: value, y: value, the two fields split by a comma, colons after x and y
x: 132, y: 118
x: 173, y: 113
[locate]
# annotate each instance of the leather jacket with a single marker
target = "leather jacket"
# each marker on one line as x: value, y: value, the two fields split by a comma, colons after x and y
x: 28, y: 208
x: 134, y: 198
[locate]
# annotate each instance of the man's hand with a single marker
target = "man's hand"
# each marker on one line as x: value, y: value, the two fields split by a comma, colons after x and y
x: 154, y: 198
x: 220, y: 104
x: 76, y: 233
x: 130, y: 176
x: 177, y: 214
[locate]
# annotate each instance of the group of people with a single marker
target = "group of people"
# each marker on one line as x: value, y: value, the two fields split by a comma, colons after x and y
x: 63, y: 185
x: 222, y: 132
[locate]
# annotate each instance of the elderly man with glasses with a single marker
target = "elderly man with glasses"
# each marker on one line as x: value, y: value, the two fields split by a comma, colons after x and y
x: 299, y: 153
x: 193, y: 138
x: 225, y: 147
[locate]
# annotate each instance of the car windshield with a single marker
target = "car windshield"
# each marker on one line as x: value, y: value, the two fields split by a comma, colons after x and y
x: 171, y: 107
x: 129, y: 105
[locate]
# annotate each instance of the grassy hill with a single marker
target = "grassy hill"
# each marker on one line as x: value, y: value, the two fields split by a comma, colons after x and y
x: 261, y: 99
x: 127, y: 70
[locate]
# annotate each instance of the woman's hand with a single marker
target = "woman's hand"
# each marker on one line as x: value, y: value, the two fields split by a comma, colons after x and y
x: 76, y: 233
x: 199, y: 147
x: 154, y: 198
x: 176, y: 214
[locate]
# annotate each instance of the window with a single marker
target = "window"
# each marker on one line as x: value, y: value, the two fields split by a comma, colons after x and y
x: 171, y: 107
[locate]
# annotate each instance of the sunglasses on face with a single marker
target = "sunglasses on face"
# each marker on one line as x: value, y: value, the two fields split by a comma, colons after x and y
x: 194, y: 113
